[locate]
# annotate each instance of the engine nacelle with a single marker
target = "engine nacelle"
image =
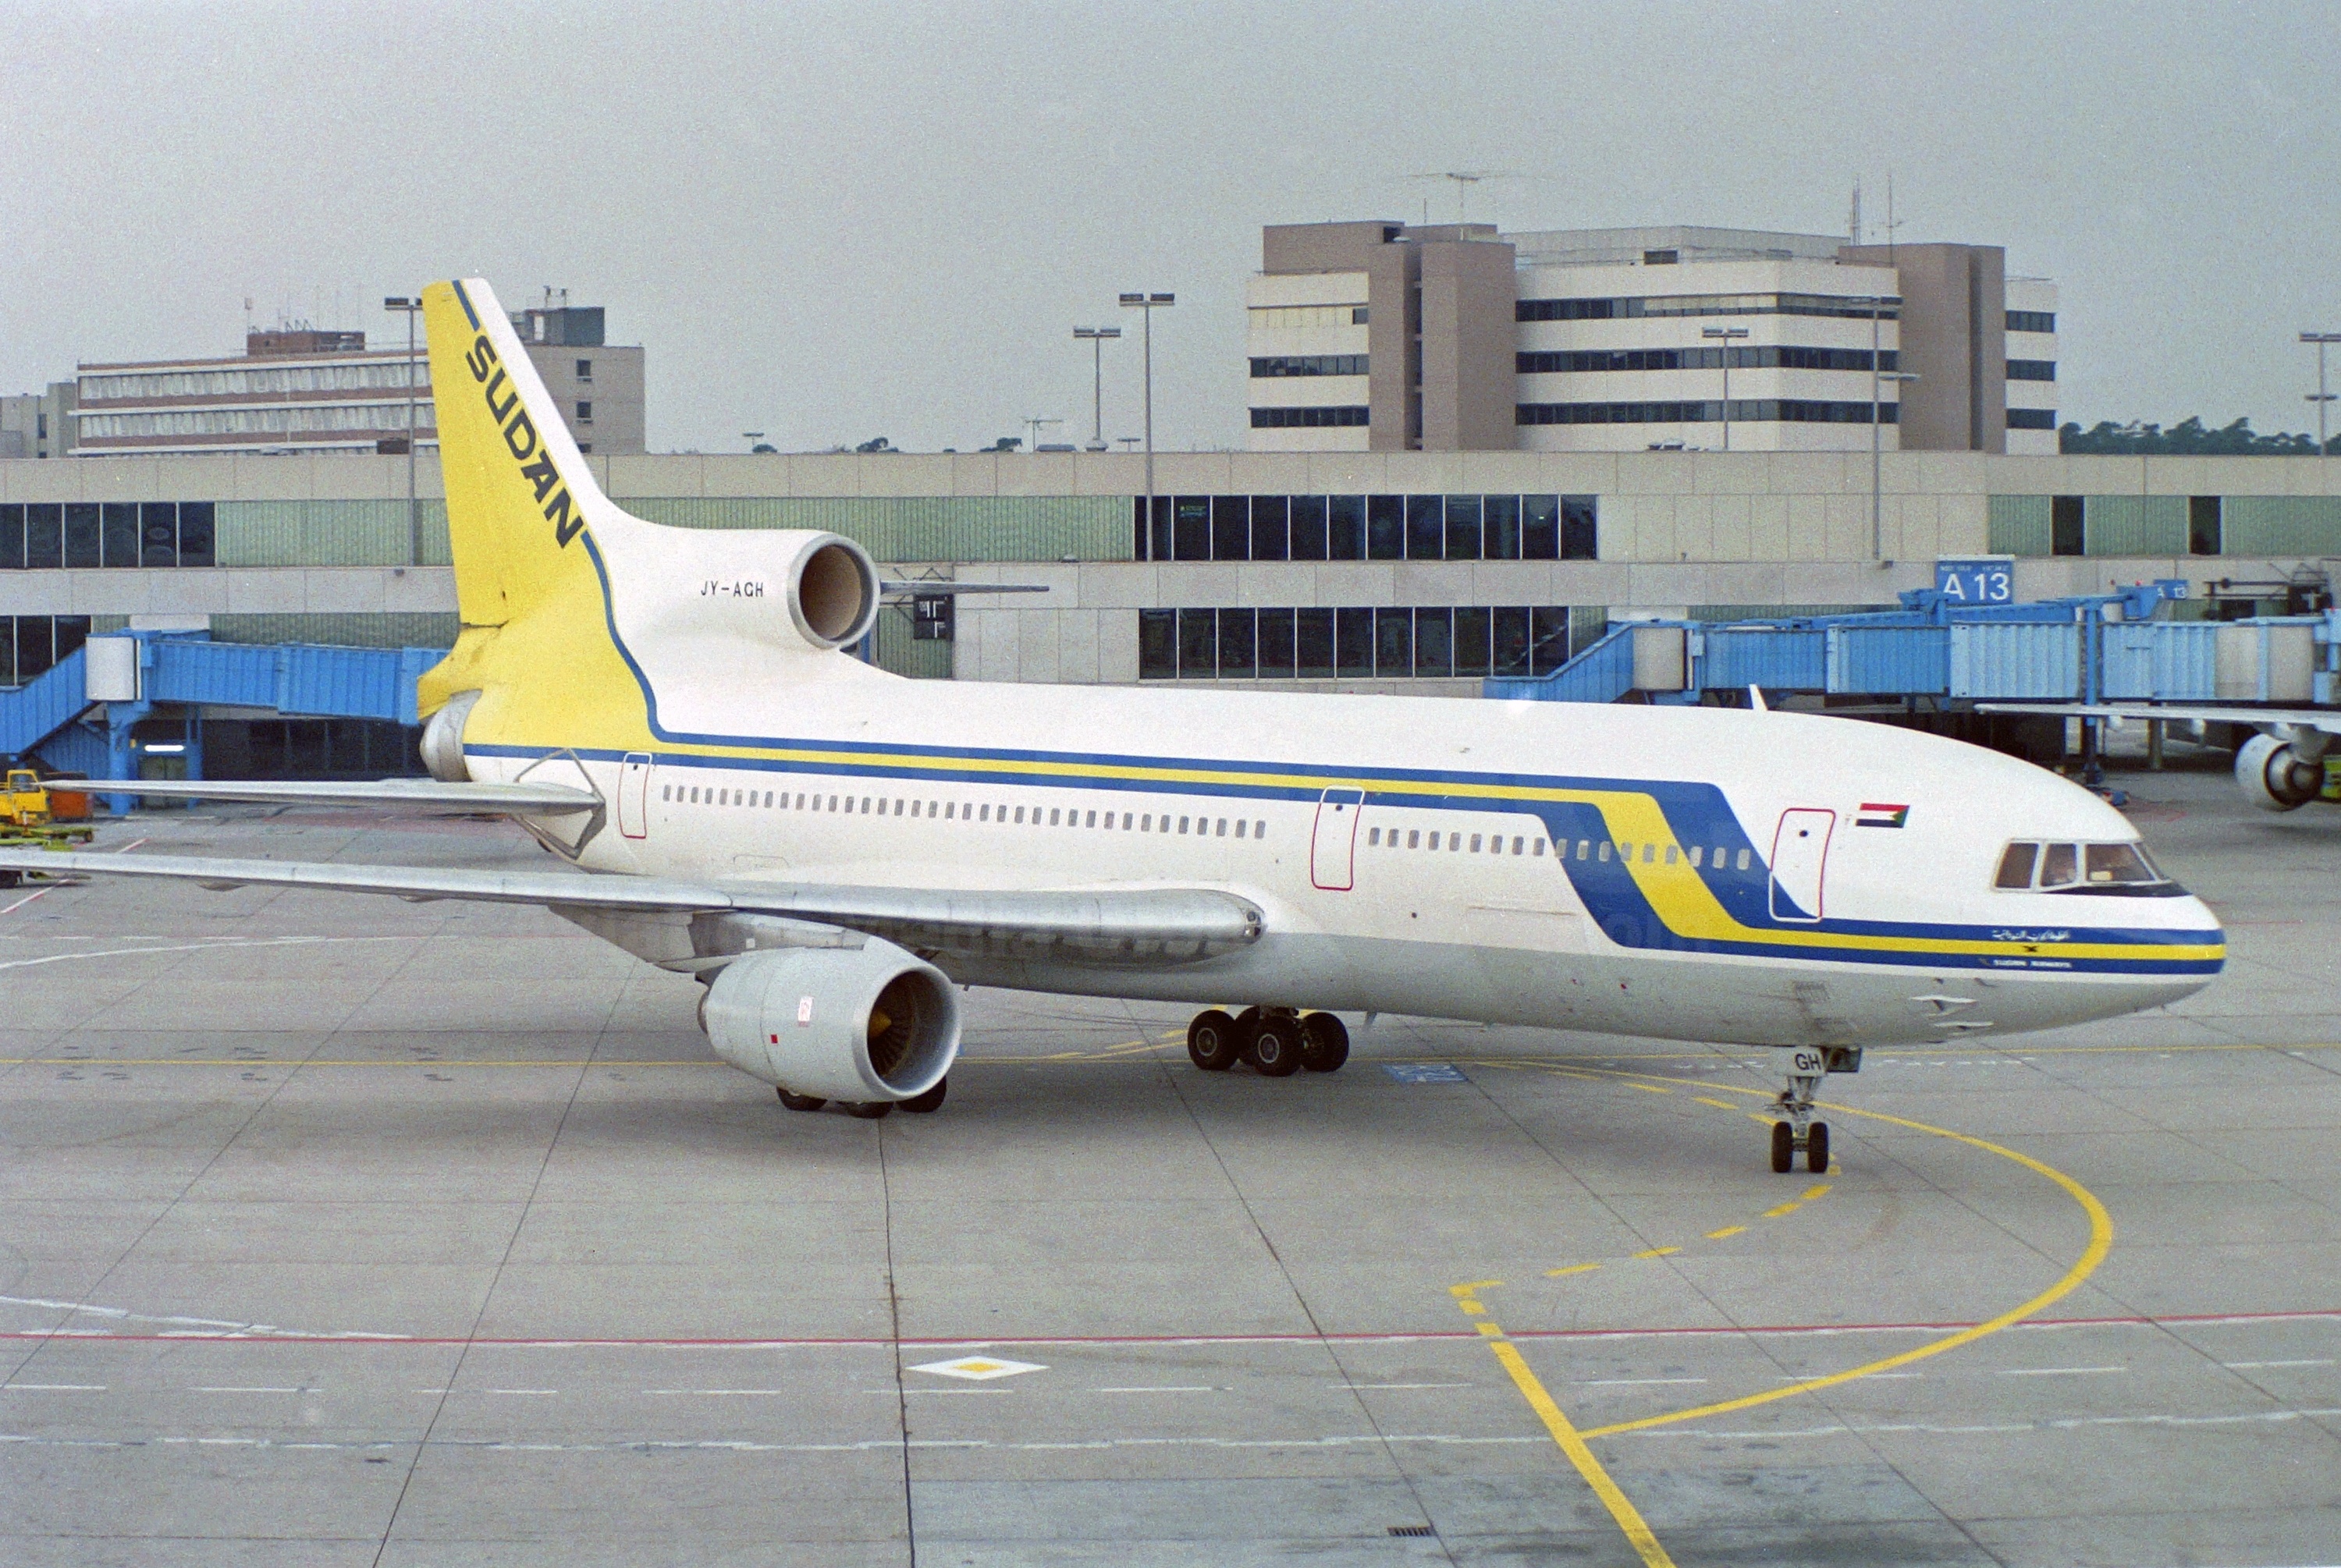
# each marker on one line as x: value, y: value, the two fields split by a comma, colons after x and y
x: 861, y: 1024
x: 2275, y: 776
x: 442, y: 740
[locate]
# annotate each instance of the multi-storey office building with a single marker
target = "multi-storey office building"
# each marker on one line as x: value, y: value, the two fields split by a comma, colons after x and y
x: 1405, y: 572
x: 1386, y: 337
x: 306, y: 391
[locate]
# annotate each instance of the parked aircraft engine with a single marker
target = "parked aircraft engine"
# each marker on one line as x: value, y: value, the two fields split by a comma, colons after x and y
x: 833, y: 590
x: 872, y: 1024
x: 443, y: 740
x: 2276, y: 776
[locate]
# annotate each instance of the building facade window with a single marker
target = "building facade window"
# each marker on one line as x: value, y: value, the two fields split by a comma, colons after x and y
x: 1288, y: 317
x: 1434, y: 642
x: 1344, y: 414
x: 2032, y: 321
x: 1575, y: 361
x: 584, y: 369
x: 1744, y: 410
x: 2067, y: 535
x: 2203, y: 525
x: 1367, y: 528
x: 33, y: 645
x: 43, y: 536
x: 2032, y: 419
x: 2032, y: 370
x: 1272, y: 365
x: 584, y: 413
x: 1850, y: 305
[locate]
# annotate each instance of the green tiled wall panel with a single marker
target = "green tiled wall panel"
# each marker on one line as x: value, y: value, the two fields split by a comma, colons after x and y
x: 2281, y: 525
x: 892, y: 528
x: 329, y: 533
x: 405, y: 628
x: 2134, y: 525
x: 2019, y: 525
x: 969, y: 528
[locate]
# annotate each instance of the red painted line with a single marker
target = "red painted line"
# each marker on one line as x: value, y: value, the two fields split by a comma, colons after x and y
x: 1396, y: 1338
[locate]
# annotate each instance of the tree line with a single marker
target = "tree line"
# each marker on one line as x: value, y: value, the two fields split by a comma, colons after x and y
x: 2190, y: 437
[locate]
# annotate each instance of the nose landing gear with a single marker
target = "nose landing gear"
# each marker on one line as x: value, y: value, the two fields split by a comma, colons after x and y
x: 1274, y: 1042
x: 1798, y: 1132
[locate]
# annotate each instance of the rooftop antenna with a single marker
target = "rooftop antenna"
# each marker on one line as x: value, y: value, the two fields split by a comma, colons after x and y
x: 1853, y: 220
x: 1464, y: 179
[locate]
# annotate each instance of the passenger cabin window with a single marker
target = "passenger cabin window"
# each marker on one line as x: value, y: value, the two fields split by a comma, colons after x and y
x: 2122, y: 869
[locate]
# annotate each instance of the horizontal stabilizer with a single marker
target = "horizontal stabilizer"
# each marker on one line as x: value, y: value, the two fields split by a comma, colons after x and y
x: 519, y: 799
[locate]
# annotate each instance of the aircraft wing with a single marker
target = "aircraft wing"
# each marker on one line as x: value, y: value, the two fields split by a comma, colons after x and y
x: 2328, y: 720
x: 1139, y: 926
x: 531, y: 799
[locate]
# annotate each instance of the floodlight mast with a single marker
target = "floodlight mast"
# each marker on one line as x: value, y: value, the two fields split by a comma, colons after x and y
x: 1096, y: 338
x: 409, y: 307
x: 1148, y: 304
x: 2320, y: 397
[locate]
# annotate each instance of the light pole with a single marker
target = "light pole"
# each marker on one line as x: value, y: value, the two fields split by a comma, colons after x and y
x: 2321, y: 397
x: 1096, y: 338
x: 1877, y: 462
x: 1726, y: 336
x: 409, y: 308
x: 1150, y: 303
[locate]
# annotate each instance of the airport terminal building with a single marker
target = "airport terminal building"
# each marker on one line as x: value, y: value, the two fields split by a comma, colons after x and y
x: 1387, y: 571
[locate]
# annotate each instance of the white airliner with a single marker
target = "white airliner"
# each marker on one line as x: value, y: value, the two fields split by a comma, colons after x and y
x: 836, y: 851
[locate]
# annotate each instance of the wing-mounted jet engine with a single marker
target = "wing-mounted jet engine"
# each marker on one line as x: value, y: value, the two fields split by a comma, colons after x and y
x: 871, y: 1027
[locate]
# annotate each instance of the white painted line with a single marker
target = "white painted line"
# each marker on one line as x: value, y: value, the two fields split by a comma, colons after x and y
x: 1633, y: 1382
x: 547, y: 1391
x: 1164, y: 1388
x: 58, y: 1388
x: 1866, y: 1377
x: 237, y: 1390
x: 2057, y: 1370
x: 28, y: 898
x: 2249, y: 1366
x: 906, y: 1393
x: 1401, y: 1385
x: 715, y: 1391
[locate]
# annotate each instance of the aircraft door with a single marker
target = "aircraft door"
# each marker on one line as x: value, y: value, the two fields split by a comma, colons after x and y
x: 634, y: 795
x: 1332, y: 852
x: 1799, y: 856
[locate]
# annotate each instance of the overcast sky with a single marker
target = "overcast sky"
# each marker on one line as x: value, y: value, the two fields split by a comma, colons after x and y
x: 833, y: 221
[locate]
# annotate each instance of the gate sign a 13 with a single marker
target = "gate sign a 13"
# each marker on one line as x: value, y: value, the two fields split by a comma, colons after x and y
x: 1977, y: 579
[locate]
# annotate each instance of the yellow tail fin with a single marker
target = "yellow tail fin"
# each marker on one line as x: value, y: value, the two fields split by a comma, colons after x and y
x: 519, y: 493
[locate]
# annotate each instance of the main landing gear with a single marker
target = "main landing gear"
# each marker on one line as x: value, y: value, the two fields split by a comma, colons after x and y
x: 1274, y: 1042
x: 1799, y: 1133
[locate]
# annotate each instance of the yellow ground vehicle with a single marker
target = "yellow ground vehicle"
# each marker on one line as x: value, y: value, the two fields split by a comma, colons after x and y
x: 32, y: 811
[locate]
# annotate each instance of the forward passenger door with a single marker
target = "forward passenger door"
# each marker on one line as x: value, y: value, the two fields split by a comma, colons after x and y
x: 1332, y: 851
x: 1799, y: 862
x: 634, y: 795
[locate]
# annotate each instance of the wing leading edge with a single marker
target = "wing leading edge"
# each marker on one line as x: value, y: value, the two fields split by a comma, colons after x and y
x: 1143, y: 926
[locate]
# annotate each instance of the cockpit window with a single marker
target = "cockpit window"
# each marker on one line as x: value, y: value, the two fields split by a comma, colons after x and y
x: 2119, y: 863
x: 2114, y: 869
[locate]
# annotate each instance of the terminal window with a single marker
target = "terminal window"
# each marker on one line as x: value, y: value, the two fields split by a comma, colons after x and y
x: 43, y: 536
x: 1376, y: 642
x: 1367, y: 528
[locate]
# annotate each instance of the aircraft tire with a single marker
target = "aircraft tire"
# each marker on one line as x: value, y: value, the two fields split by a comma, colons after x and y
x: 929, y: 1101
x: 797, y: 1102
x: 1784, y: 1149
x: 1816, y: 1150
x: 1274, y: 1047
x: 1324, y: 1043
x: 870, y: 1110
x: 1211, y: 1041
